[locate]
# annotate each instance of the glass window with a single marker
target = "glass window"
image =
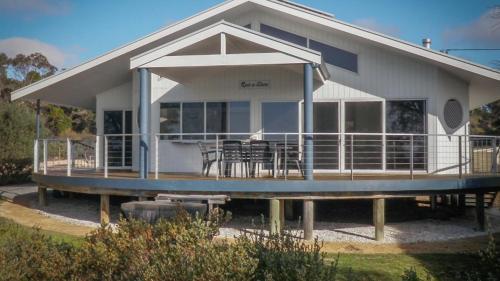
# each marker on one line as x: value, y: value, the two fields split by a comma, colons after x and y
x: 326, y: 147
x: 279, y: 117
x: 336, y: 56
x: 364, y: 117
x: 239, y: 118
x: 406, y: 116
x: 170, y: 120
x: 193, y: 119
x: 216, y: 118
x: 284, y: 35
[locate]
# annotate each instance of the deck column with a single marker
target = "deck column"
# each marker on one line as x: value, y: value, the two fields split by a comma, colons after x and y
x: 36, y: 160
x: 42, y: 196
x: 274, y: 216
x: 379, y: 218
x: 104, y: 209
x: 308, y: 219
x: 144, y: 105
x: 480, y: 211
x: 308, y: 121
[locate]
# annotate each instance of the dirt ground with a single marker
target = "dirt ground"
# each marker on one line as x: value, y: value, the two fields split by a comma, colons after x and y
x: 31, y: 218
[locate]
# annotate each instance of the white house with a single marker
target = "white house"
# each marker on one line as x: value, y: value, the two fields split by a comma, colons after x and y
x: 260, y: 68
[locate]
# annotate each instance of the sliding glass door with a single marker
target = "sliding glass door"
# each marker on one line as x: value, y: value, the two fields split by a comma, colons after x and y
x: 118, y: 122
x: 326, y: 147
x: 406, y: 117
x: 280, y: 117
x: 365, y: 152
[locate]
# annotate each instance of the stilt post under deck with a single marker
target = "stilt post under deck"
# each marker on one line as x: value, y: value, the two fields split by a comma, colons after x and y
x: 144, y: 105
x: 379, y: 218
x: 274, y: 216
x: 308, y: 219
x: 104, y: 209
x: 42, y: 196
x: 480, y: 211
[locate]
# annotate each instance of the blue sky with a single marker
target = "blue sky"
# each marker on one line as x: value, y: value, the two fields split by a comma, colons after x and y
x: 70, y: 32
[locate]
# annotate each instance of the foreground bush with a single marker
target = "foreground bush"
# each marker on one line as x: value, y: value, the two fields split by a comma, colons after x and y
x: 181, y: 249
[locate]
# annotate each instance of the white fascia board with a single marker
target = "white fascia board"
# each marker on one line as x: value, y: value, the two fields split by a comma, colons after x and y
x: 407, y: 47
x: 150, y: 38
x: 224, y: 60
x: 228, y: 29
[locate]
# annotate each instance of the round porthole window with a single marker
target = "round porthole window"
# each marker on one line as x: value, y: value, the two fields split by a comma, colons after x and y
x: 453, y: 113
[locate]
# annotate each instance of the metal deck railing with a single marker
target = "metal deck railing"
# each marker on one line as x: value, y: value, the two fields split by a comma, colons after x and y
x: 276, y: 155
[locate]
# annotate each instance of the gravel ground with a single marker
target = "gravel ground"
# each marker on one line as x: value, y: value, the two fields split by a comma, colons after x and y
x: 85, y: 211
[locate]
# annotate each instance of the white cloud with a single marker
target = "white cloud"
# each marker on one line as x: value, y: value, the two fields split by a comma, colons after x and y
x: 45, y: 7
x: 18, y: 45
x: 373, y: 24
x: 484, y: 31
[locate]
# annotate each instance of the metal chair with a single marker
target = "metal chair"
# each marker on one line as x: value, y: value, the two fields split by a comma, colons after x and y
x: 232, y: 155
x: 259, y: 154
x: 208, y: 157
x: 290, y: 157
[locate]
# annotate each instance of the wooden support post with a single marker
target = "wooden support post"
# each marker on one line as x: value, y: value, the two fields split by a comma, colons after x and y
x: 480, y: 211
x: 274, y: 216
x: 104, y: 209
x: 379, y: 218
x: 308, y: 219
x: 42, y: 196
x: 282, y: 214
x: 289, y: 209
x: 433, y: 199
x: 461, y: 203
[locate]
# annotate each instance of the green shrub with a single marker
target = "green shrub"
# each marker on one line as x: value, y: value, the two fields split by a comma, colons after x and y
x: 15, y: 170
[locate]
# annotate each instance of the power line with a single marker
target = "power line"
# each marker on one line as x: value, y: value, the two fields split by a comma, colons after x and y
x: 446, y: 51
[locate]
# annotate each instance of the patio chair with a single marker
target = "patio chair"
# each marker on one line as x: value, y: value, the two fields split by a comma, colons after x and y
x: 208, y: 158
x: 231, y: 156
x: 292, y: 159
x: 259, y: 154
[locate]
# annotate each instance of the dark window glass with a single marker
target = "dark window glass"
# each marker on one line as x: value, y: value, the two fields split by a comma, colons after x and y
x: 406, y: 117
x: 193, y: 120
x: 363, y: 117
x: 326, y: 147
x: 216, y: 118
x: 239, y: 118
x: 336, y: 56
x: 284, y: 35
x: 280, y: 117
x: 170, y: 120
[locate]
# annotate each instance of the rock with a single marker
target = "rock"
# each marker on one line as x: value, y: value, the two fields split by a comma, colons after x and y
x: 151, y: 211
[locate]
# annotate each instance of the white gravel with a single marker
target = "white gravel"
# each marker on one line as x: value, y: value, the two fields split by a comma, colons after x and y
x: 85, y: 211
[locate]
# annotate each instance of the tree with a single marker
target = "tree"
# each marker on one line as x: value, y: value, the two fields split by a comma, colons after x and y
x: 57, y: 120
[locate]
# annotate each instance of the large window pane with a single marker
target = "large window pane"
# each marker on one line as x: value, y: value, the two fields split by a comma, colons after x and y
x: 408, y: 117
x: 280, y: 117
x: 239, y: 118
x: 216, y: 118
x: 336, y: 56
x: 193, y: 120
x: 170, y: 116
x: 363, y: 117
x: 326, y: 146
x: 284, y: 35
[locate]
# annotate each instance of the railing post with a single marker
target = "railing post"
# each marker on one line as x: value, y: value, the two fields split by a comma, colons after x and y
x: 460, y: 156
x: 217, y: 156
x: 411, y: 156
x: 36, y: 160
x: 69, y: 158
x: 352, y: 157
x: 494, y: 167
x: 157, y: 157
x: 105, y: 156
x: 45, y: 156
x: 97, y: 161
x: 285, y: 165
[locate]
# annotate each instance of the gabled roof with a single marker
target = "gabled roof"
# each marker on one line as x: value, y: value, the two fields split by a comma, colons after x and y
x: 270, y: 51
x: 102, y: 65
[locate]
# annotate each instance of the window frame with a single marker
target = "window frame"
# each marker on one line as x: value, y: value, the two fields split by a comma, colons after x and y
x: 204, y: 102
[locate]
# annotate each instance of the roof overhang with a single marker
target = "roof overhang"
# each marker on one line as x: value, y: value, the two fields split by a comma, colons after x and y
x: 234, y: 46
x: 79, y: 85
